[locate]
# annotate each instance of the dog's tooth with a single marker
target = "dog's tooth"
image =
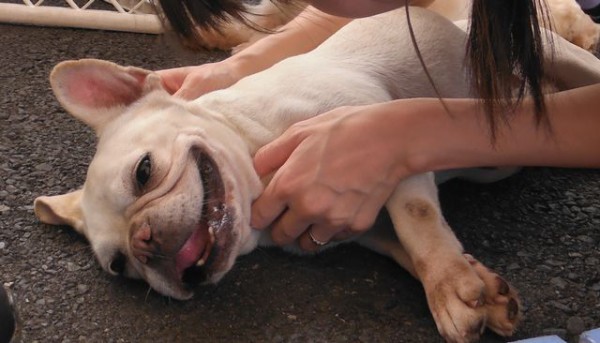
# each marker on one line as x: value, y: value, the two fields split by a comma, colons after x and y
x: 142, y: 258
x: 211, y: 232
x: 201, y: 262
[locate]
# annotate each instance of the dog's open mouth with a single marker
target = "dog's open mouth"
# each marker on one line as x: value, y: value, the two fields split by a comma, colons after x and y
x: 198, y: 252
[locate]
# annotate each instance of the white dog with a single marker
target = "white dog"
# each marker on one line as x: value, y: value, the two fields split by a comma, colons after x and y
x: 168, y: 193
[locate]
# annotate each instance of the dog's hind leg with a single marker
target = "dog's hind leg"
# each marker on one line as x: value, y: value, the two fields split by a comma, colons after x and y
x: 463, y: 295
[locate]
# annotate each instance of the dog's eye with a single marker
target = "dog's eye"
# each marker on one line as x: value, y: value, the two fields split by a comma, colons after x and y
x: 118, y: 263
x: 143, y: 171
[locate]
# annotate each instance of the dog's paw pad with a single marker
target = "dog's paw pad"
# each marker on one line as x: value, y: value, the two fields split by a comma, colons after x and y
x: 501, y: 300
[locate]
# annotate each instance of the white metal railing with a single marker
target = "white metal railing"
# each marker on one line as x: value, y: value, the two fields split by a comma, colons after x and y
x: 122, y: 15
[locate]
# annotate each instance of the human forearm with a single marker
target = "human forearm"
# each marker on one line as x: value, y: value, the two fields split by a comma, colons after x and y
x: 309, y: 29
x: 462, y: 139
x: 304, y: 33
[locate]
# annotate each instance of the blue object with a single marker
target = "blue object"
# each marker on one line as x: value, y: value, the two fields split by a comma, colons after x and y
x: 543, y: 339
x: 592, y: 336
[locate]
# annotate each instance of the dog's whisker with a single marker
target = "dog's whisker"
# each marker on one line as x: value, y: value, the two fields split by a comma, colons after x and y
x: 209, y: 192
x: 147, y: 294
x: 162, y: 257
x: 215, y: 201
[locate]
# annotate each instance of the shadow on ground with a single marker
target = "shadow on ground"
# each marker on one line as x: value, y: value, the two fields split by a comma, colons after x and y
x: 541, y: 229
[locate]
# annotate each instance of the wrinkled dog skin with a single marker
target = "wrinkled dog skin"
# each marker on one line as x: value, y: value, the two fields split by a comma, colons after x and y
x: 167, y: 195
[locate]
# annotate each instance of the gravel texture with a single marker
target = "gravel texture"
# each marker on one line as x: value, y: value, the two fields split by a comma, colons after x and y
x: 540, y: 229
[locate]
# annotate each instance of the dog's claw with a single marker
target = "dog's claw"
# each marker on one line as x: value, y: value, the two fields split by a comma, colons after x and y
x: 470, y: 298
x: 142, y: 258
x: 503, y: 287
x: 457, y: 300
x: 502, y: 305
x: 513, y: 309
x: 211, y: 232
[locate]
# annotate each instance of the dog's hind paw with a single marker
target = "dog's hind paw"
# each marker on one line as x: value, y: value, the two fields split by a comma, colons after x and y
x: 501, y: 300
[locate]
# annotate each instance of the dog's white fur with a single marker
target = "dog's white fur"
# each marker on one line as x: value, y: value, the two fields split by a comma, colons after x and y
x: 370, y: 60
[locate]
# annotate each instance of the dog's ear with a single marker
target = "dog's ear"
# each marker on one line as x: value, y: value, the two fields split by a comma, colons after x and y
x: 62, y: 209
x: 96, y: 91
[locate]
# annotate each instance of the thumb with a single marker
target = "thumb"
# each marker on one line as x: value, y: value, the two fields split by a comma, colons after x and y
x: 273, y: 155
x: 190, y: 89
x: 172, y: 79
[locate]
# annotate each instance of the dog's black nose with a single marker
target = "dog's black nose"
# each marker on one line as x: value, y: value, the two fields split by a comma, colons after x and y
x: 8, y: 320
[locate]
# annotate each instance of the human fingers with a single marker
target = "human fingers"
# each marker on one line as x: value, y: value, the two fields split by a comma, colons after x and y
x: 273, y: 155
x: 369, y: 210
x: 318, y: 235
x: 266, y: 208
x: 288, y: 227
x: 335, y: 225
x: 195, y: 85
x: 281, y: 189
x: 172, y: 79
x: 351, y: 215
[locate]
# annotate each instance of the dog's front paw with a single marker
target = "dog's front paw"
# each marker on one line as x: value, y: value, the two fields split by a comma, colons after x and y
x: 465, y: 297
x: 501, y: 300
x: 456, y: 295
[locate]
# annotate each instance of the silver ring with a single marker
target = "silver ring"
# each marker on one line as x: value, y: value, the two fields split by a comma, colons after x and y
x: 316, y: 241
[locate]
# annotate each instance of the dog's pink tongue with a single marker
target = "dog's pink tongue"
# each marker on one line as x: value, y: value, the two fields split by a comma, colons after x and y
x: 192, y: 249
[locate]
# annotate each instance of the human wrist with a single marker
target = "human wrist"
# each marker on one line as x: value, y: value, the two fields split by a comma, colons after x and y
x: 237, y: 67
x: 400, y: 127
x: 418, y: 131
x: 436, y: 136
x: 455, y: 134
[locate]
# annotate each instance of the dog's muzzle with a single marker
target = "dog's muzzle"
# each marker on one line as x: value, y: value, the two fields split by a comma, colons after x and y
x: 199, y: 252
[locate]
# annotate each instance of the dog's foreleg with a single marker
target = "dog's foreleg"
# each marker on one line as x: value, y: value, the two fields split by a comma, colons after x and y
x: 454, y: 291
x: 384, y: 241
x: 462, y: 294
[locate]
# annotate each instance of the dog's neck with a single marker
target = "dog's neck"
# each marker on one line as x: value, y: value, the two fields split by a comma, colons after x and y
x: 249, y: 119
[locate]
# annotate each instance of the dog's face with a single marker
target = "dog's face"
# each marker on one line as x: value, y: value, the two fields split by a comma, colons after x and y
x: 168, y: 191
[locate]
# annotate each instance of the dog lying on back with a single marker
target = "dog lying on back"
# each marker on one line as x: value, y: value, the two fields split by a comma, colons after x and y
x: 168, y: 193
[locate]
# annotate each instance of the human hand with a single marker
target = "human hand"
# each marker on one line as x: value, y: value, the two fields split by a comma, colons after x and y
x: 335, y: 172
x: 194, y: 81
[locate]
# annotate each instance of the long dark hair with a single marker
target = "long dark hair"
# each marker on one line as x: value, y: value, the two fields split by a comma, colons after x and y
x: 186, y: 17
x: 505, y: 39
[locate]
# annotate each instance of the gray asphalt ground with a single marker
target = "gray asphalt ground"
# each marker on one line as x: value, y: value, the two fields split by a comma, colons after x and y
x: 540, y: 229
